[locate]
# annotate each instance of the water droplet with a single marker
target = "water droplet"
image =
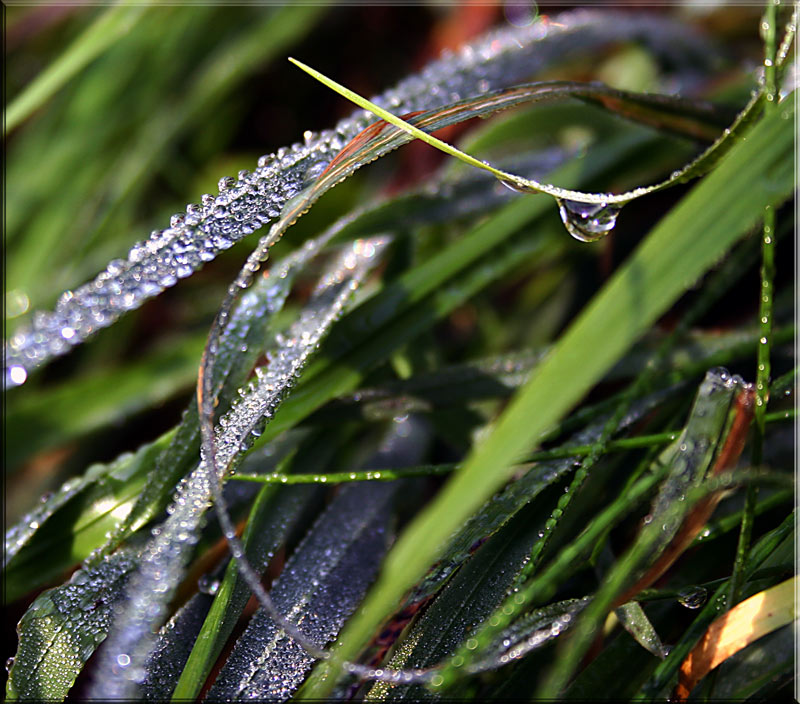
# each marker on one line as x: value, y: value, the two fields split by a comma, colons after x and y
x: 588, y: 222
x: 226, y: 182
x: 207, y: 585
x: 16, y: 375
x: 17, y: 303
x: 9, y: 664
x: 692, y: 597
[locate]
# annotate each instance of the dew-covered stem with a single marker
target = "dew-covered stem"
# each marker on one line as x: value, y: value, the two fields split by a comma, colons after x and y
x: 432, y: 470
x: 763, y: 348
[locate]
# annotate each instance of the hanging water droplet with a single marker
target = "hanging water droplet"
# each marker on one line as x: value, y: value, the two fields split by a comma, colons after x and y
x: 692, y: 597
x: 9, y: 664
x: 588, y: 222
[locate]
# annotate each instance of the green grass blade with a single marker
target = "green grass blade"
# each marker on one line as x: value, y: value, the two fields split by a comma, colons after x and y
x: 63, y: 627
x: 690, y: 239
x: 274, y: 512
x: 101, y: 34
x: 596, y: 94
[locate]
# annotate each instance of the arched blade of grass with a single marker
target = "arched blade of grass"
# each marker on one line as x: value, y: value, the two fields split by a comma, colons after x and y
x: 206, y: 392
x: 635, y: 106
x: 451, y: 266
x: 696, y: 233
x: 497, y: 60
x: 370, y: 144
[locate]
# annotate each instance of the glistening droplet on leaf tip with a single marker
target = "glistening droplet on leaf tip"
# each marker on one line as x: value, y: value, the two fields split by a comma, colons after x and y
x: 588, y: 222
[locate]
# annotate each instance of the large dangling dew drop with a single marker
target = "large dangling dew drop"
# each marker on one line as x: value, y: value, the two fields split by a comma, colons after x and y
x: 588, y: 222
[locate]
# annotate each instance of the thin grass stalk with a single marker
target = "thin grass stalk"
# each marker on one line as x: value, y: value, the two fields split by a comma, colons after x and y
x: 763, y: 348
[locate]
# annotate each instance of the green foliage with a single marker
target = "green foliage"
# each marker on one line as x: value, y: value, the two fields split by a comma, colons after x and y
x: 499, y: 401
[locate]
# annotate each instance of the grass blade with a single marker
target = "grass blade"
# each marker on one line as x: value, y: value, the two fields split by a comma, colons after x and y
x: 694, y: 235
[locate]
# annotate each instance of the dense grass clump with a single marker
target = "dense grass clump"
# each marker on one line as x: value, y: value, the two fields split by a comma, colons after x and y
x: 514, y: 424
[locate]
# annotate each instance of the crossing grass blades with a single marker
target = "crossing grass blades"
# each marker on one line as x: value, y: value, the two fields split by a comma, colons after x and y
x: 488, y: 435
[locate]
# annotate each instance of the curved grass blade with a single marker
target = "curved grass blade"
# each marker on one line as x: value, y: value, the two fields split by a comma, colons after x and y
x: 368, y: 321
x: 275, y: 513
x: 64, y: 626
x: 744, y: 623
x: 320, y: 586
x: 162, y: 562
x: 206, y: 393
x: 694, y: 235
x: 587, y: 216
x: 245, y: 203
x: 248, y: 329
x: 247, y: 339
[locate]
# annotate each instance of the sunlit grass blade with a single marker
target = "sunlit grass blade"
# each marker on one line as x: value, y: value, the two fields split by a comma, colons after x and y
x: 568, y: 199
x: 743, y: 624
x: 74, y: 520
